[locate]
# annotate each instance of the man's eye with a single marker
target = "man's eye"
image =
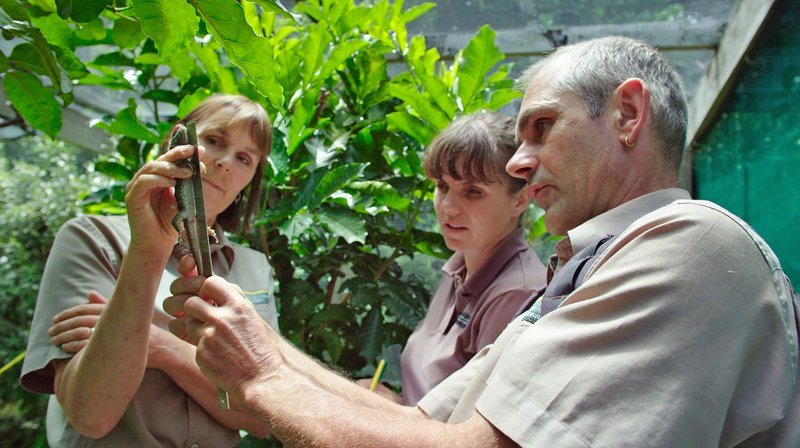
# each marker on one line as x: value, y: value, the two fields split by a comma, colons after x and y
x: 542, y: 125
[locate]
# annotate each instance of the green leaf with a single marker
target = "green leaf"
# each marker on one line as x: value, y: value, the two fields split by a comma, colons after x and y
x: 370, y: 336
x: 70, y: 63
x: 341, y: 52
x: 189, y: 102
x: 412, y: 126
x: 114, y: 170
x: 181, y: 65
x: 225, y: 21
x: 13, y: 16
x: 332, y: 343
x: 80, y: 11
x: 277, y: 7
x: 333, y: 181
x: 93, y: 33
x: 171, y: 24
x: 126, y: 123
x: 55, y: 30
x: 423, y: 107
x: 127, y: 32
x: 344, y: 223
x: 4, y: 63
x: 502, y: 97
x: 416, y: 11
x: 295, y: 226
x: 34, y: 102
x: 27, y: 56
x: 382, y: 192
x: 480, y: 55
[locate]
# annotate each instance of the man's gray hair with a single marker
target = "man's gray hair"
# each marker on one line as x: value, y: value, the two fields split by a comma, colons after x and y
x: 596, y: 67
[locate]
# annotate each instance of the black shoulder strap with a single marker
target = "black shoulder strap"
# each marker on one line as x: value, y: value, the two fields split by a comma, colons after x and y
x: 567, y: 279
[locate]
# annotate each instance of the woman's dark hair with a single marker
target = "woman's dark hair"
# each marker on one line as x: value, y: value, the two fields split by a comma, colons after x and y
x: 475, y: 148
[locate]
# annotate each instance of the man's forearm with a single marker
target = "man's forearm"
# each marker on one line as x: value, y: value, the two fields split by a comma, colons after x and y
x: 301, y: 412
x: 96, y: 385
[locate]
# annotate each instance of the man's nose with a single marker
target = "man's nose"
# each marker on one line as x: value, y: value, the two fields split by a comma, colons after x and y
x: 523, y: 163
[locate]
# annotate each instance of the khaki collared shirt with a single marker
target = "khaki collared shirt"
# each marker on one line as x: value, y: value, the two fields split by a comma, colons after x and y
x: 464, y: 316
x: 682, y: 335
x: 86, y: 256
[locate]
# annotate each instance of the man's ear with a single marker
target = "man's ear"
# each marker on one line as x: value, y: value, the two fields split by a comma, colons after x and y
x: 631, y: 105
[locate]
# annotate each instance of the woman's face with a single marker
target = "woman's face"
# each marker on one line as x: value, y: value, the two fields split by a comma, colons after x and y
x: 475, y: 217
x: 231, y: 158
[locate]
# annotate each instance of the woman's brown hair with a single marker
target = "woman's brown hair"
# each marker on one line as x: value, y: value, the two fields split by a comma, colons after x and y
x: 224, y: 111
x: 475, y: 148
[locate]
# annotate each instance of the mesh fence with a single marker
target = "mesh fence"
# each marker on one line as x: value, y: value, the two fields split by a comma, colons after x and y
x: 750, y: 161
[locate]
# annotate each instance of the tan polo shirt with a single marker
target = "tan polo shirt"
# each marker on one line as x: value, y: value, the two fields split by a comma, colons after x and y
x: 682, y: 335
x: 86, y: 255
x: 464, y: 316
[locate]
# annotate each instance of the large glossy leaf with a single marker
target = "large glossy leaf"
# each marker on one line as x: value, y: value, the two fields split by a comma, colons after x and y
x: 34, y: 102
x: 477, y: 59
x: 340, y: 53
x: 127, y: 32
x: 277, y: 7
x: 412, y: 126
x: 382, y: 192
x: 225, y: 21
x: 296, y: 225
x: 80, y: 11
x: 334, y: 180
x: 55, y: 30
x: 344, y: 223
x: 114, y: 170
x: 370, y: 336
x: 126, y: 123
x: 423, y: 107
x: 171, y: 24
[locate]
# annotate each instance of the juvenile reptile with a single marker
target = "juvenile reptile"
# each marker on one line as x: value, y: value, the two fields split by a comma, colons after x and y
x: 191, y: 217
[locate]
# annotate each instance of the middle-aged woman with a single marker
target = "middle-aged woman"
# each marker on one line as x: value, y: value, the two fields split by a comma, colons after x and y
x: 493, y: 270
x: 119, y: 378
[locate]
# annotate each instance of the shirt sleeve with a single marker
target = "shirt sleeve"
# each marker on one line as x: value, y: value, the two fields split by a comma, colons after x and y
x: 79, y: 262
x: 677, y: 338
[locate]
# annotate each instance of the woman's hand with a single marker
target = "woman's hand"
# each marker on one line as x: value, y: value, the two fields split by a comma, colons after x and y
x: 151, y: 203
x: 73, y: 327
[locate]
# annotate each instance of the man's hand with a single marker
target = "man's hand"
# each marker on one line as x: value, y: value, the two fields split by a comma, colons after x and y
x: 235, y: 347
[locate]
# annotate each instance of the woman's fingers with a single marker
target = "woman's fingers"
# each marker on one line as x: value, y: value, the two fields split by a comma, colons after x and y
x: 86, y: 309
x: 73, y: 340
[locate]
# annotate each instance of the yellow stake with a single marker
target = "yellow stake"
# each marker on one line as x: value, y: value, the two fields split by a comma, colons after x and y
x: 376, y: 378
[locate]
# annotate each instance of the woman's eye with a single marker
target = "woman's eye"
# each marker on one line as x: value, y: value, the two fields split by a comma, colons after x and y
x: 441, y: 187
x: 244, y: 160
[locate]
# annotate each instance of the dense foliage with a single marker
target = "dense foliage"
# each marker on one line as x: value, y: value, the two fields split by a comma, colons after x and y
x: 353, y: 98
x: 40, y: 185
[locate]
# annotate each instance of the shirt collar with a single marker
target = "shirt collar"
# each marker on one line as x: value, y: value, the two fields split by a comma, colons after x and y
x: 479, y: 280
x: 619, y: 218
